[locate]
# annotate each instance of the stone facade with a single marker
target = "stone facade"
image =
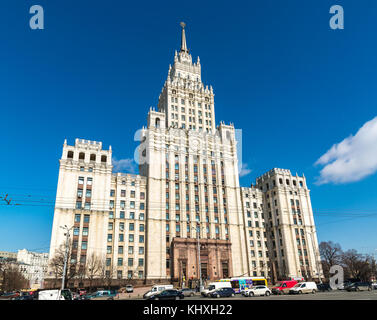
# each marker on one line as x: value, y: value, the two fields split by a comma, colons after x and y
x: 147, y: 225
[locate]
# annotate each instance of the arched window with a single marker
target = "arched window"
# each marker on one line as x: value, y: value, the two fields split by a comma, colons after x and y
x: 103, y: 159
x: 81, y: 156
x: 157, y: 122
x: 92, y: 157
x: 70, y: 155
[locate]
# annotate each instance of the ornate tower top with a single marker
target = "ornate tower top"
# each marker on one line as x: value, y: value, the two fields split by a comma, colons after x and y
x: 183, y: 39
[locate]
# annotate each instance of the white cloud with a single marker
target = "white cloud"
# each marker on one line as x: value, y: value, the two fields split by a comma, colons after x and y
x: 128, y: 165
x: 352, y: 159
x: 244, y: 170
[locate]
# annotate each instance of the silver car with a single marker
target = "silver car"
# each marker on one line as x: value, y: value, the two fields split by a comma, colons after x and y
x: 187, y: 292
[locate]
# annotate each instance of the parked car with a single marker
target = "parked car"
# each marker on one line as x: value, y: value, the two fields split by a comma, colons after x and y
x: 257, y: 291
x: 223, y: 292
x: 129, y: 288
x: 56, y: 294
x: 82, y: 292
x: 157, y: 289
x: 359, y: 286
x: 9, y: 295
x: 24, y: 296
x: 282, y: 287
x: 344, y: 285
x: 103, y: 295
x: 374, y: 285
x: 324, y: 287
x: 213, y: 286
x: 304, y: 287
x: 170, y: 294
x: 187, y: 292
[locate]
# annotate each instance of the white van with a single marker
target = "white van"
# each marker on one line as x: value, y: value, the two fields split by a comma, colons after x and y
x: 304, y: 287
x: 55, y: 294
x: 214, y: 286
x: 158, y: 288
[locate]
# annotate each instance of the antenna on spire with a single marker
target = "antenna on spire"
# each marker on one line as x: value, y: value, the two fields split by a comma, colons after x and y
x: 183, y: 39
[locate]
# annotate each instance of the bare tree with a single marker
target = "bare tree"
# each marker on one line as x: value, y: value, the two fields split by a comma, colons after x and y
x: 331, y: 255
x: 94, y: 268
x: 358, y: 266
x: 12, y: 278
x: 57, y: 263
x: 109, y: 275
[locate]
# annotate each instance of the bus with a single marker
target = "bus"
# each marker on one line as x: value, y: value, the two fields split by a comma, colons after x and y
x: 242, y: 283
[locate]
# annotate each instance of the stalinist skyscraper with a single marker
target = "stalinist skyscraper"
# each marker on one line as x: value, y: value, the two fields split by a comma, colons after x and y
x: 148, y: 226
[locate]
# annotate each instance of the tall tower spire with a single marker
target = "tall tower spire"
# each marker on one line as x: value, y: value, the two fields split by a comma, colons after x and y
x: 183, y: 40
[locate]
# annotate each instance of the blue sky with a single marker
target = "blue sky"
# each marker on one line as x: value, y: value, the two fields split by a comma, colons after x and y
x: 294, y: 86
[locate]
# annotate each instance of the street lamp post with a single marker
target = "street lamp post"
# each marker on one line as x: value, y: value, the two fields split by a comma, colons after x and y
x: 315, y: 255
x: 66, y: 253
x: 199, y: 262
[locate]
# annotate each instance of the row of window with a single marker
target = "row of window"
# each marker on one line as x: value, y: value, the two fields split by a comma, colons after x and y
x: 123, y: 194
x: 178, y: 229
x: 131, y: 238
x: 122, y: 204
x: 131, y: 226
x: 121, y: 251
x: 129, y: 264
x: 92, y: 157
x: 132, y: 215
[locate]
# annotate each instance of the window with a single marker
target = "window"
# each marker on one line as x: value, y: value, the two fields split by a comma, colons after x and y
x: 142, y: 206
x: 132, y: 215
x: 141, y: 250
x: 109, y: 249
x: 132, y: 204
x: 81, y: 180
x: 131, y: 250
x: 131, y: 227
x: 130, y: 263
x: 85, y: 231
x: 76, y: 231
x: 120, y: 250
x: 141, y: 239
x: 141, y: 262
x: 77, y: 217
x: 131, y: 238
x: 132, y: 194
x: 141, y: 227
x: 109, y: 238
x: 86, y: 218
x: 121, y: 215
x: 120, y: 262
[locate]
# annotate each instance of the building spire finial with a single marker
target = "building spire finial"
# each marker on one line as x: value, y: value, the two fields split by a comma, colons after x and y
x: 183, y: 39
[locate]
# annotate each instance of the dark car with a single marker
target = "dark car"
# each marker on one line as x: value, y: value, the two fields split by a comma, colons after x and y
x: 10, y: 295
x: 168, y: 295
x: 359, y: 286
x: 223, y: 292
x: 324, y: 287
x: 25, y: 296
